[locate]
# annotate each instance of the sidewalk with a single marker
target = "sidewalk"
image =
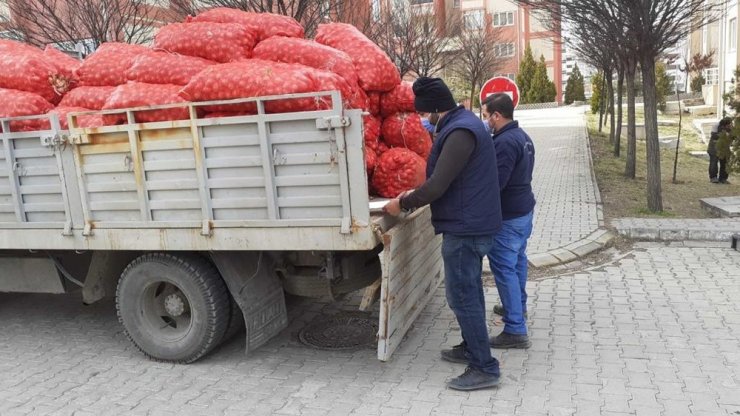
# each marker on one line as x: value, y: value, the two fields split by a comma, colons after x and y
x: 656, y: 333
x: 569, y: 221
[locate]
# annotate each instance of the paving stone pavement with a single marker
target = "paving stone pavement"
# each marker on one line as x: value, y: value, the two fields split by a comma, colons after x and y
x: 568, y: 203
x: 655, y: 333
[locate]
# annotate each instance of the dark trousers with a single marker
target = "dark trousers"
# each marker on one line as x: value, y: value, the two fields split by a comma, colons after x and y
x: 717, y: 165
x: 463, y: 262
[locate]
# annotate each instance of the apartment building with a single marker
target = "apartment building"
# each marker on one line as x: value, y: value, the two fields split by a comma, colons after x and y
x: 720, y: 37
x: 517, y: 27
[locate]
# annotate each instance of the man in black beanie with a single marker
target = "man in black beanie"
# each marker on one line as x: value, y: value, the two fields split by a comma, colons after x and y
x: 463, y: 191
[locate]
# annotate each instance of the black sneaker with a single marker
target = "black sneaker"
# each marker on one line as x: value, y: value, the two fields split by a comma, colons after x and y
x: 500, y: 311
x: 714, y: 180
x: 473, y: 379
x: 455, y: 355
x: 505, y: 340
x: 724, y: 182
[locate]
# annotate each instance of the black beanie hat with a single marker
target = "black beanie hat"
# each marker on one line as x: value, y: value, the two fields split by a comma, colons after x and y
x: 432, y: 96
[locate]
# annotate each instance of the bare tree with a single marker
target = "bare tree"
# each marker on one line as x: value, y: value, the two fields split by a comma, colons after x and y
x: 416, y: 40
x: 309, y: 12
x: 478, y: 60
x: 71, y: 21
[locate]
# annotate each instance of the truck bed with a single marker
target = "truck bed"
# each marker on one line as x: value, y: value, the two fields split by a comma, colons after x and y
x: 292, y: 181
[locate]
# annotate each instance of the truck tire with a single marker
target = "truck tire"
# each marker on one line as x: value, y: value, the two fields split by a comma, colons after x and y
x: 173, y: 308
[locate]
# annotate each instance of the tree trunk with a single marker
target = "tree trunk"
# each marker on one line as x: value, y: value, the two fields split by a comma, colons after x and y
x: 620, y: 92
x: 654, y: 192
x: 629, y: 170
x: 601, y: 102
x: 678, y: 139
x: 610, y: 106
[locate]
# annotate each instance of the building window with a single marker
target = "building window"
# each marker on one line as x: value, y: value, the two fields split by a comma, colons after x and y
x: 732, y: 33
x: 473, y: 19
x: 376, y: 10
x: 503, y: 19
x: 456, y: 4
x: 503, y: 49
x: 4, y: 11
x: 160, y: 3
x: 421, y: 1
x: 510, y: 76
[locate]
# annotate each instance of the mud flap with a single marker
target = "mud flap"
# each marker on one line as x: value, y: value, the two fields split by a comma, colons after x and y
x: 411, y: 272
x: 256, y: 288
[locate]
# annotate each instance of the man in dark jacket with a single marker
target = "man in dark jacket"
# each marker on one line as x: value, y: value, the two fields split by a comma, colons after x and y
x: 718, y: 166
x: 508, y: 256
x: 462, y: 188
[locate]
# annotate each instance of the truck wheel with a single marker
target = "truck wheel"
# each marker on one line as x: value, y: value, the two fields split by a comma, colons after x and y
x: 173, y: 308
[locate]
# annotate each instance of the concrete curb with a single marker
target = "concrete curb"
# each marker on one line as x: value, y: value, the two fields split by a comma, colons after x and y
x: 595, y: 241
x: 663, y: 232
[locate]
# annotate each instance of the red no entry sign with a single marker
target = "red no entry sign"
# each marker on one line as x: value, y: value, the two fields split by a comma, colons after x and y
x: 498, y: 85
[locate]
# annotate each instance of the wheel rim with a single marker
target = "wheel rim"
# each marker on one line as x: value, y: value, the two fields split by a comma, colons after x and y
x: 166, y: 311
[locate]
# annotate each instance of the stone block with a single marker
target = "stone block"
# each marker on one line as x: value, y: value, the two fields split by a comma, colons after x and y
x: 643, y: 233
x: 564, y: 255
x: 673, y: 235
x: 543, y: 260
x: 725, y: 207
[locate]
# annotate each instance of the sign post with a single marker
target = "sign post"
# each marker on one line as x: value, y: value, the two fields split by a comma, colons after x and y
x: 500, y: 85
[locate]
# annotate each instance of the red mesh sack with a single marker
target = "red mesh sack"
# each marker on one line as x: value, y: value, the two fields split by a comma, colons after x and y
x: 375, y: 70
x: 93, y: 98
x: 136, y: 94
x: 382, y: 147
x: 329, y: 81
x: 406, y: 130
x: 158, y: 67
x: 252, y: 78
x: 220, y: 42
x: 14, y: 103
x: 373, y: 103
x: 372, y: 132
x: 88, y: 120
x: 398, y: 170
x: 398, y: 100
x: 109, y: 65
x: 66, y: 65
x: 264, y: 25
x: 371, y: 160
x: 25, y: 68
x: 309, y: 53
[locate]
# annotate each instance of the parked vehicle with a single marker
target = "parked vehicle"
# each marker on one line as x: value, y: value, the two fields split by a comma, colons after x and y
x: 199, y: 226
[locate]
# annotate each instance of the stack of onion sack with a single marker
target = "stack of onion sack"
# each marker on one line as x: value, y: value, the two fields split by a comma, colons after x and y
x: 263, y: 25
x: 318, y: 56
x: 31, y: 82
x: 155, y: 78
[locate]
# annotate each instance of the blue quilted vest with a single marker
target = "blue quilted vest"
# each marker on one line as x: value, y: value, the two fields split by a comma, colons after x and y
x: 471, y: 206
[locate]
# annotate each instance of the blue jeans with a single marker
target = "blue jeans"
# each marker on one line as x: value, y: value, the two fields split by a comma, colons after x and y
x: 508, y: 259
x: 463, y: 261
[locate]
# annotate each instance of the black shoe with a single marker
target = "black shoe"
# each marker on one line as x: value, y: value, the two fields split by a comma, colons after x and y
x: 500, y: 311
x: 473, y: 379
x: 714, y: 180
x: 724, y: 182
x: 505, y: 340
x: 455, y: 355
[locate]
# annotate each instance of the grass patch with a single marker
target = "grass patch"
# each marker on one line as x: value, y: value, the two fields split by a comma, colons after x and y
x: 627, y: 197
